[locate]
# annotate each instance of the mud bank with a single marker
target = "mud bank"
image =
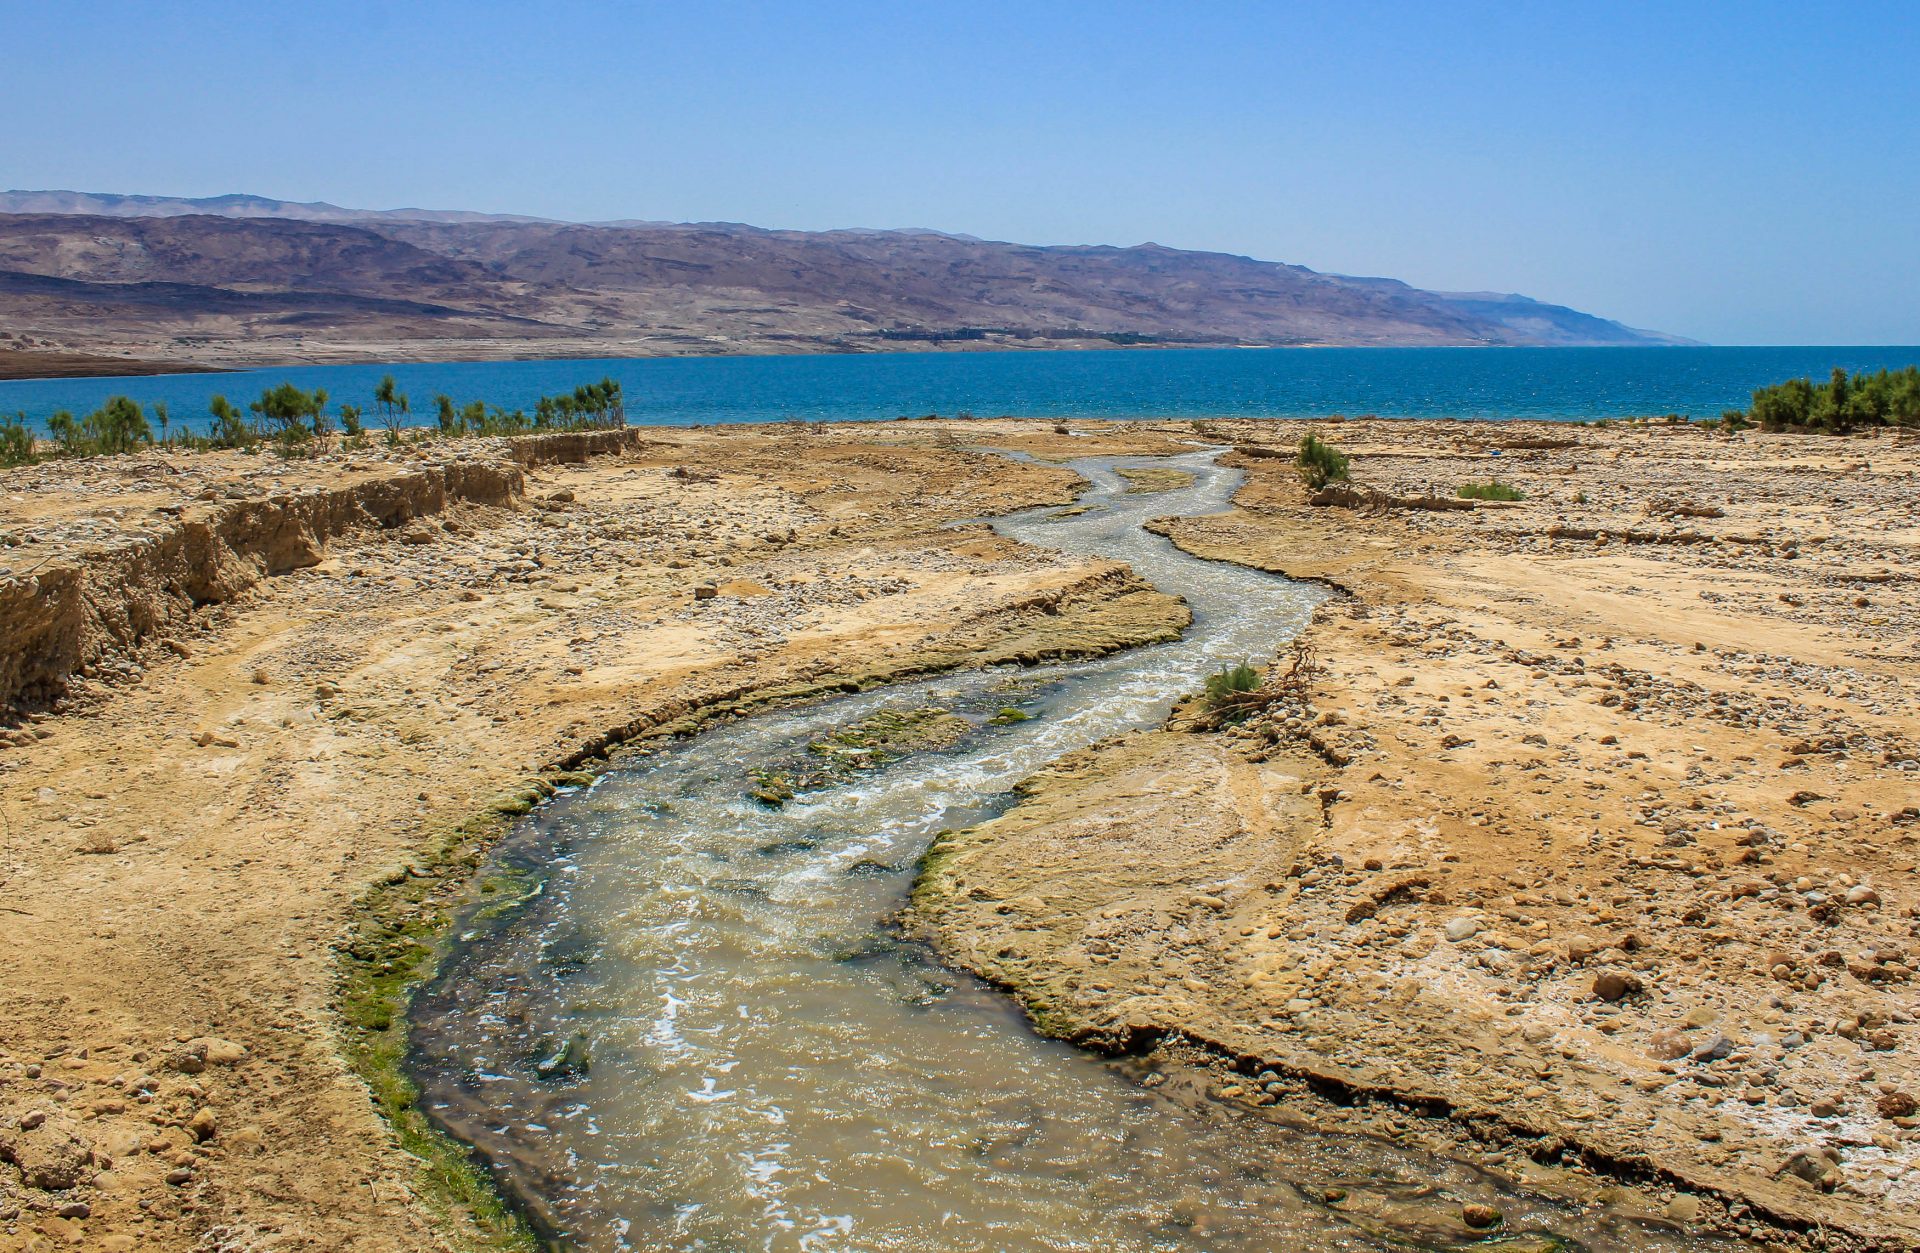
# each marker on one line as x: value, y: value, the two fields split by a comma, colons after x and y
x: 1563, y: 847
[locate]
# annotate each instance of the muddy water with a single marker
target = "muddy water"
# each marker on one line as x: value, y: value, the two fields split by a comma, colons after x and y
x: 697, y: 1032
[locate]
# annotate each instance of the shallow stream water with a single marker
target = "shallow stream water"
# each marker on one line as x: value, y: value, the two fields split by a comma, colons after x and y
x: 699, y: 1032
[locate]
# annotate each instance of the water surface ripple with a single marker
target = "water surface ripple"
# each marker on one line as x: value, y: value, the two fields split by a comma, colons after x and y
x: 767, y: 1068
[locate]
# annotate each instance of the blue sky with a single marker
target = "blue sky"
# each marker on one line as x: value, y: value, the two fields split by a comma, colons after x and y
x: 1739, y: 173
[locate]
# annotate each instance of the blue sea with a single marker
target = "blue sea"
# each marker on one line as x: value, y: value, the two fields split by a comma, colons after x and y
x: 1469, y: 383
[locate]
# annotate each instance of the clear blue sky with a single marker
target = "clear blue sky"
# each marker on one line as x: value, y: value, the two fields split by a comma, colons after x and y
x: 1739, y: 173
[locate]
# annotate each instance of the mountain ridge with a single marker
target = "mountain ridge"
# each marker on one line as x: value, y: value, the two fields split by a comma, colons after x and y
x: 321, y: 282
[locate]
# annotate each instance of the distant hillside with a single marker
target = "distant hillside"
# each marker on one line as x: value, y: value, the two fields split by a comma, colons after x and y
x: 242, y: 279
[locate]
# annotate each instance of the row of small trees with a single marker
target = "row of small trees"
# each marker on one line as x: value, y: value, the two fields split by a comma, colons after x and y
x: 1845, y: 401
x: 294, y: 419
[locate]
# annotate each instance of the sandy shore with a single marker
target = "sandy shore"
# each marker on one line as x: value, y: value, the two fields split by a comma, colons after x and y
x: 1593, y: 735
x: 1588, y: 836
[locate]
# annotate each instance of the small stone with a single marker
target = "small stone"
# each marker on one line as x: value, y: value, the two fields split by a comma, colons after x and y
x: 75, y: 1209
x: 1862, y: 895
x: 1615, y: 985
x: 1479, y: 1217
x: 202, y: 1125
x: 1712, y: 1048
x: 1668, y: 1044
x: 1896, y: 1105
x: 705, y: 591
x: 218, y: 1052
x: 179, y: 1175
x: 1684, y: 1208
x: 1458, y: 929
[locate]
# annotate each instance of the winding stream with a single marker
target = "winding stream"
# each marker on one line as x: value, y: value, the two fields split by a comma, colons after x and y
x: 699, y: 1033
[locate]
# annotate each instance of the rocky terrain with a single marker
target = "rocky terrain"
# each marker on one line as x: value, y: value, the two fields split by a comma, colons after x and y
x: 247, y: 281
x: 249, y: 696
x: 1576, y: 836
x: 1580, y: 829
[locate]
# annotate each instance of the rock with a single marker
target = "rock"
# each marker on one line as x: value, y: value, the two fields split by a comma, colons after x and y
x: 1615, y: 985
x: 51, y: 1155
x: 1581, y: 948
x: 76, y: 1209
x: 218, y: 1052
x: 705, y: 591
x: 1700, y: 1017
x: 1862, y: 895
x: 1684, y: 1208
x: 1458, y: 929
x: 179, y: 1175
x: 1479, y: 1217
x: 190, y: 1060
x: 1896, y: 1105
x: 1819, y: 1167
x: 1669, y: 1043
x: 31, y: 1119
x: 1712, y: 1048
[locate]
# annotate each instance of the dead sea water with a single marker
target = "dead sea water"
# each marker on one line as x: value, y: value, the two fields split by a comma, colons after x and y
x: 698, y: 1032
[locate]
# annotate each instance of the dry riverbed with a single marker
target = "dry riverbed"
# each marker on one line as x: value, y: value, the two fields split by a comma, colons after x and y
x: 1583, y: 833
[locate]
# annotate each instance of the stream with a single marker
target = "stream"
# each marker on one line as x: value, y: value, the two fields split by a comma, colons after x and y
x: 692, y: 1028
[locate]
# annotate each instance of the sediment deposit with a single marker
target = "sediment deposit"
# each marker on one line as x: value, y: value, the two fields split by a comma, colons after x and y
x: 248, y: 692
x: 1581, y: 828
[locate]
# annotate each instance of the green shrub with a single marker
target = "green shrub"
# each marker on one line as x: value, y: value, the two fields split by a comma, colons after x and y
x: 1492, y: 489
x: 1321, y: 463
x: 230, y: 427
x: 1844, y: 401
x: 117, y: 426
x: 1230, y: 681
x: 16, y: 442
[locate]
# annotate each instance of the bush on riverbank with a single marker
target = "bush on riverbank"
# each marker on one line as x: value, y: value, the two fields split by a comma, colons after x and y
x: 1321, y: 463
x: 1492, y: 489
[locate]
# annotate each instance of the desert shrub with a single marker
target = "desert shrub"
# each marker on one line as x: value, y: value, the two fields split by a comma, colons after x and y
x: 16, y: 442
x: 285, y: 407
x: 1492, y: 489
x: 117, y: 426
x: 230, y: 427
x: 1231, y: 681
x: 1321, y: 463
x: 350, y: 420
x: 1844, y: 401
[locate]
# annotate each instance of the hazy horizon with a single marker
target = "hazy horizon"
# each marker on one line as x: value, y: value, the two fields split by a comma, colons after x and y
x: 1730, y: 173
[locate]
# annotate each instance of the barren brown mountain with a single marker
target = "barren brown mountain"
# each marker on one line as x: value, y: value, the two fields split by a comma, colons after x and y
x: 253, y: 281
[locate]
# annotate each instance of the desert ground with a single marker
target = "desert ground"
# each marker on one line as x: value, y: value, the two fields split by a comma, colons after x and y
x: 1577, y: 834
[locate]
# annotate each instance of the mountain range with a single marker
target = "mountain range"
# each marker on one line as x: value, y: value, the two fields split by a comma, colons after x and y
x: 237, y: 280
